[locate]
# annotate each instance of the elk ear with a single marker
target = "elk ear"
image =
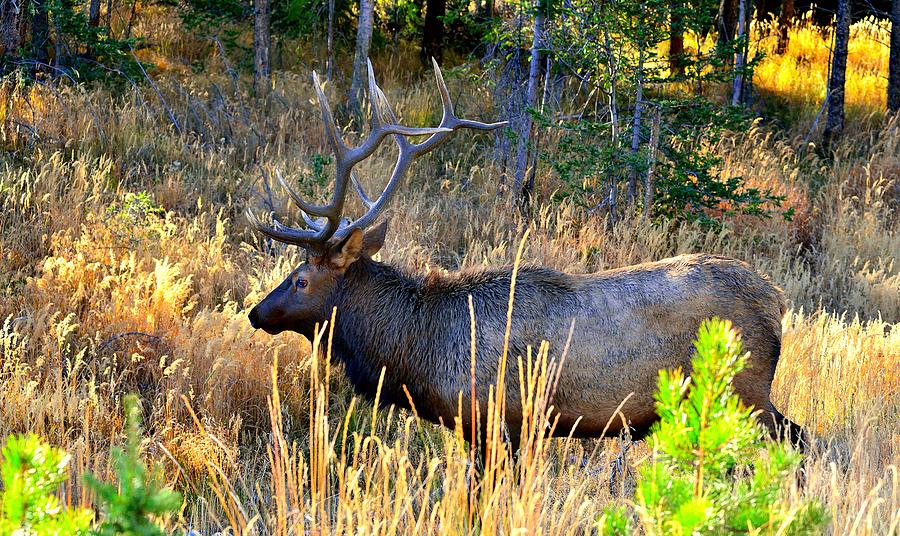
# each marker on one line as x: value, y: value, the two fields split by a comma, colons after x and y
x: 345, y: 252
x: 374, y: 239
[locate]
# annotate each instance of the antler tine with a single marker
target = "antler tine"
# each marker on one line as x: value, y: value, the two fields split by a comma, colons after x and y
x: 317, y: 225
x: 337, y: 144
x: 375, y: 208
x: 374, y: 92
x: 445, y: 94
x: 277, y: 225
x: 284, y: 234
x: 306, y: 208
x: 321, y: 230
x: 361, y: 192
x: 380, y: 128
x: 449, y: 119
x: 409, y: 151
x: 385, y: 106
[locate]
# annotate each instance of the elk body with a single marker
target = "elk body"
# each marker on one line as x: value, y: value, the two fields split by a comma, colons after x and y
x: 629, y: 323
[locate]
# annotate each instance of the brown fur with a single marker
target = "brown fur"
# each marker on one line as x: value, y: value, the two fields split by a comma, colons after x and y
x: 629, y: 323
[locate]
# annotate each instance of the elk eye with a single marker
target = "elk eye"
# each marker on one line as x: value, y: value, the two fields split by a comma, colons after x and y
x: 302, y: 283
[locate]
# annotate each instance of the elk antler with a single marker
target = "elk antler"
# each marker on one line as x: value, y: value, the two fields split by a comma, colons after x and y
x: 324, y: 221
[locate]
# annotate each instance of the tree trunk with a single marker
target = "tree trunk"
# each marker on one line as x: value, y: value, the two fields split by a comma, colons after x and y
x: 60, y: 56
x: 329, y: 61
x: 530, y: 100
x: 433, y: 36
x: 650, y: 181
x: 261, y: 46
x: 94, y: 13
x: 40, y: 31
x: 834, y: 124
x: 676, y: 39
x: 132, y: 15
x: 612, y: 72
x: 487, y: 9
x: 363, y: 41
x: 893, y: 98
x: 109, y: 12
x: 13, y: 14
x: 93, y: 21
x: 725, y: 25
x: 636, y: 130
x: 785, y: 22
x: 9, y: 24
x: 739, y: 58
x: 764, y: 8
x: 529, y: 183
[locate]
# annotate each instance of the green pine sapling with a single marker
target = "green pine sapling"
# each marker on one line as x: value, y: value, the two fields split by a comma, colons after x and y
x: 32, y: 472
x: 140, y: 497
x: 711, y: 470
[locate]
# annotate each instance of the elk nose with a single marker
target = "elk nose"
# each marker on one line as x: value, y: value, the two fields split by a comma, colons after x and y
x: 254, y: 317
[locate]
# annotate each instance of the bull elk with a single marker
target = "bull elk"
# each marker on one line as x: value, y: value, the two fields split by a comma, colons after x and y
x: 628, y: 323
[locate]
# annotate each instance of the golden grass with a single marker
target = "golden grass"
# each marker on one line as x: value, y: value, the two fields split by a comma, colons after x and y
x: 792, y: 86
x: 265, y: 437
x: 800, y: 75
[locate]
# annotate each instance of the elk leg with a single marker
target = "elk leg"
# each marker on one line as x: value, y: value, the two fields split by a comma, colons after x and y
x: 780, y: 427
x: 510, y: 438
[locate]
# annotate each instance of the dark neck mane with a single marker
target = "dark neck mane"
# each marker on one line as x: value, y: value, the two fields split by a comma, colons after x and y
x: 377, y: 317
x: 409, y: 325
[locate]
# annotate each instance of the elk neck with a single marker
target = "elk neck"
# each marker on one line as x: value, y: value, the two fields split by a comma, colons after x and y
x: 415, y: 327
x: 379, y: 326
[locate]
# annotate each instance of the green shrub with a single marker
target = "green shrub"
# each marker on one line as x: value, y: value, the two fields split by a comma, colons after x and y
x: 711, y: 472
x: 136, y: 208
x: 137, y: 218
x: 688, y: 179
x: 32, y: 472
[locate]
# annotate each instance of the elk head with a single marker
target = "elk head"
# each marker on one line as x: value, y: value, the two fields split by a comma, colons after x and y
x: 332, y: 242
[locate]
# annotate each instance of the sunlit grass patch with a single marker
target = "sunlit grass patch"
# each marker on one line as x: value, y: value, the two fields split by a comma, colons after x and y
x: 798, y: 78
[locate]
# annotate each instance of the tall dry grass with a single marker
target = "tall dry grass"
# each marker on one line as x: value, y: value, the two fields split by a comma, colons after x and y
x: 102, y: 297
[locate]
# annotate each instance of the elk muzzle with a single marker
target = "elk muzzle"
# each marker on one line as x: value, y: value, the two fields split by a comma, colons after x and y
x: 254, y: 317
x: 266, y: 317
